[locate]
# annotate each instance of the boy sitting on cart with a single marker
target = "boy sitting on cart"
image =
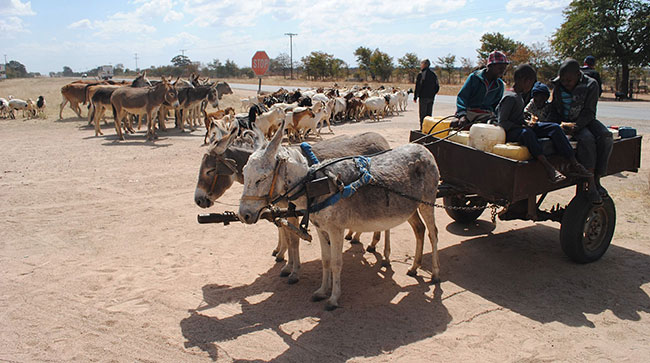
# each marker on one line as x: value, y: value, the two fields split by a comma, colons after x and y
x: 574, y: 107
x: 538, y: 108
x: 510, y: 113
x: 482, y: 91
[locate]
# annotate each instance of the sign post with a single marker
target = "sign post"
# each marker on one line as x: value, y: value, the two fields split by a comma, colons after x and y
x: 260, y: 64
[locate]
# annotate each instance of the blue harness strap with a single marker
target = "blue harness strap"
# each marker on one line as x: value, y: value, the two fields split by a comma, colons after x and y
x: 311, y: 157
x: 363, y: 164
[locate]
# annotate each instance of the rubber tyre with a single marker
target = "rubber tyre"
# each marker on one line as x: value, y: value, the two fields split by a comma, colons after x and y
x: 587, y: 229
x: 463, y: 216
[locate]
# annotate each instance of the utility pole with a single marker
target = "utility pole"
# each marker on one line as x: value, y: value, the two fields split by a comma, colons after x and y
x: 5, y: 59
x: 183, y: 52
x: 136, y: 62
x: 291, y: 35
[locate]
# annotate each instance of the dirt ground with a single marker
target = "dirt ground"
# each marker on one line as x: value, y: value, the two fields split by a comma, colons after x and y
x: 101, y: 259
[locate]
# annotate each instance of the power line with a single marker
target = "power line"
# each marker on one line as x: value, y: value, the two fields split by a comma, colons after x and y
x: 291, y: 35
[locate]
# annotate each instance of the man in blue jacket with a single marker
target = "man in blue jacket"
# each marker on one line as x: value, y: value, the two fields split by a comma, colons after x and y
x: 482, y: 91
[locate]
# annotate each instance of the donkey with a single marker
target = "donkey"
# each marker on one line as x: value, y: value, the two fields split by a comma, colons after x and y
x: 410, y: 169
x: 223, y: 164
x: 190, y: 98
x: 140, y: 101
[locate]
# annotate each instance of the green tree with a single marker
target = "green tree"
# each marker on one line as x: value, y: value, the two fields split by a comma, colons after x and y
x: 317, y: 64
x: 409, y: 65
x: 216, y: 69
x: 448, y: 64
x: 466, y: 66
x: 181, y: 60
x: 615, y: 31
x: 231, y: 69
x: 545, y: 61
x: 67, y: 71
x: 15, y: 69
x: 496, y: 41
x: 363, y: 60
x: 381, y: 65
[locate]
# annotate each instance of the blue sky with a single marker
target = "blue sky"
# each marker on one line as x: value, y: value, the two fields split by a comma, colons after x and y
x: 46, y: 35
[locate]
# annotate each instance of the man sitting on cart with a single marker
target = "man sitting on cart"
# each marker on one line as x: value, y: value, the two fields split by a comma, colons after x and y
x: 482, y: 91
x: 574, y: 106
x: 511, y: 117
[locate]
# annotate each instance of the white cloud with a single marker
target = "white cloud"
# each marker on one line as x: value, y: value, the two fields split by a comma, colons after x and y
x: 173, y: 16
x: 83, y: 23
x: 539, y: 6
x: 15, y: 8
x: 9, y: 25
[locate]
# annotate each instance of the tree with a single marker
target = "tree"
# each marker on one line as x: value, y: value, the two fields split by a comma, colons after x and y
x: 615, y: 31
x: 318, y: 64
x: 15, y: 69
x: 447, y: 63
x: 363, y: 60
x: 381, y: 65
x: 67, y: 71
x: 280, y: 64
x: 231, y: 69
x: 496, y: 41
x: 181, y: 61
x: 409, y: 64
x: 466, y: 66
x: 545, y: 61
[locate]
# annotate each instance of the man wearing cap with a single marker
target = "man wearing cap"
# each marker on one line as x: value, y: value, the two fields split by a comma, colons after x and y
x: 589, y: 70
x: 426, y: 87
x: 482, y: 91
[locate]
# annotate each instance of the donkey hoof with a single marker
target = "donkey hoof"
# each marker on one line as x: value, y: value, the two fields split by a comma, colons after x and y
x: 347, y: 238
x: 412, y: 273
x: 435, y: 280
x: 330, y: 307
x: 385, y: 263
x: 284, y: 273
x: 274, y: 253
x: 317, y: 297
x: 279, y: 258
x: 292, y: 280
x: 355, y: 241
x: 371, y: 249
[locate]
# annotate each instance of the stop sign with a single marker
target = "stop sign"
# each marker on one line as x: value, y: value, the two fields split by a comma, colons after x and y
x: 260, y: 63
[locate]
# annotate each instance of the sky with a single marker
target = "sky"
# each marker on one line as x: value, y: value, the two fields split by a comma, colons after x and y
x: 46, y: 35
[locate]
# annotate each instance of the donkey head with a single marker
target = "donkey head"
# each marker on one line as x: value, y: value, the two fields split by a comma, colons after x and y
x: 218, y: 170
x: 171, y: 94
x: 262, y: 181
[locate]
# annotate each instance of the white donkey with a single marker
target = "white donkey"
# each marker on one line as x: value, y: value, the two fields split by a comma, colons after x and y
x: 410, y: 170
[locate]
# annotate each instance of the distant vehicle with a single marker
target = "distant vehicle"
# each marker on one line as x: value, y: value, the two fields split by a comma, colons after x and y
x: 84, y: 75
x: 105, y: 72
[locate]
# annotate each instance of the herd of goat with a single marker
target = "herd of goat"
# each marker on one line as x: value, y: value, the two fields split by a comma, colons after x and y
x: 30, y: 108
x: 303, y: 111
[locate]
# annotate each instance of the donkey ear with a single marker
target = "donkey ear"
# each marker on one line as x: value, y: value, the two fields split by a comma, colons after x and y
x: 274, y: 145
x: 223, y: 144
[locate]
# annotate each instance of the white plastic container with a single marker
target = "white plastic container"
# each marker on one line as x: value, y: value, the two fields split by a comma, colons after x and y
x: 485, y: 136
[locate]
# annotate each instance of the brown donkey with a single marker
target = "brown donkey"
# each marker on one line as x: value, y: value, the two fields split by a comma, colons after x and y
x: 142, y: 101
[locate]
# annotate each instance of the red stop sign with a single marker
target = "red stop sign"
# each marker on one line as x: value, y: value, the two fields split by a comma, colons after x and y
x: 260, y: 63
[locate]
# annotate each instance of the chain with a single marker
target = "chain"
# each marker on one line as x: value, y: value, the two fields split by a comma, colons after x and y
x: 493, y: 206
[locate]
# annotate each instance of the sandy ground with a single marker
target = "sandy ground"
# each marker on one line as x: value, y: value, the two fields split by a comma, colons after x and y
x: 101, y: 259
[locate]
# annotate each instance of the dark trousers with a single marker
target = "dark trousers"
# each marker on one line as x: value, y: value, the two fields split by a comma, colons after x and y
x: 595, y: 144
x: 426, y: 108
x: 528, y: 136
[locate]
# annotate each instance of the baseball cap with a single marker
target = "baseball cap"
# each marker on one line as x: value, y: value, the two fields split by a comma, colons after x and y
x: 497, y: 57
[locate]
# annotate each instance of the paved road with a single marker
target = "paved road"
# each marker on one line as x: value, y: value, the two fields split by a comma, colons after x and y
x: 634, y: 114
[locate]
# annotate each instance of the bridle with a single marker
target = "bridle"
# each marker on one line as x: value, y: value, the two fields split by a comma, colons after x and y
x: 269, y: 197
x: 230, y: 164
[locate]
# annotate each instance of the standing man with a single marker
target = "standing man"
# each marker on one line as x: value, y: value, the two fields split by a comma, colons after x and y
x: 426, y: 87
x: 589, y: 70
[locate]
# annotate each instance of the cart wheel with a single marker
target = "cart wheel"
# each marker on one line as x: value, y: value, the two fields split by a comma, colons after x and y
x: 464, y: 216
x: 587, y: 230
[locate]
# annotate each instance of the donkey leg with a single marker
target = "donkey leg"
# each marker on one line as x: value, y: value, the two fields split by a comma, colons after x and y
x: 430, y: 220
x: 284, y: 243
x: 336, y: 248
x: 281, y: 247
x: 326, y: 255
x: 386, y: 261
x: 418, y: 229
x: 294, y: 257
x: 118, y: 126
x: 349, y: 235
x: 372, y: 247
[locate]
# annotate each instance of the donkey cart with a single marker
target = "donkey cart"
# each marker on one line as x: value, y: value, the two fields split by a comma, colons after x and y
x: 473, y: 178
